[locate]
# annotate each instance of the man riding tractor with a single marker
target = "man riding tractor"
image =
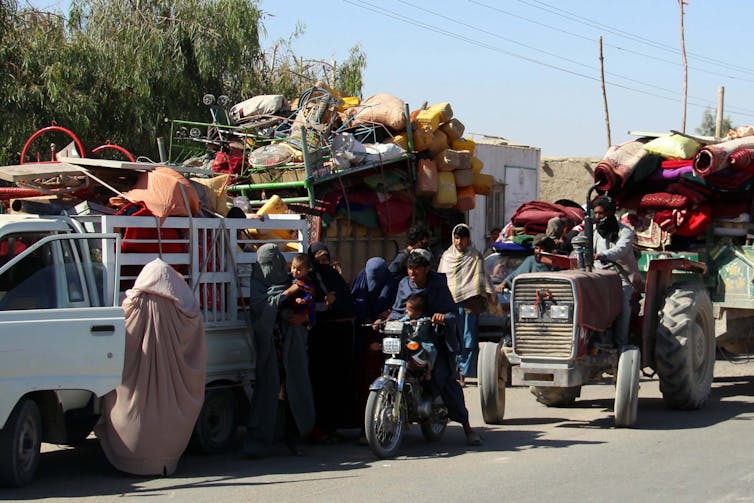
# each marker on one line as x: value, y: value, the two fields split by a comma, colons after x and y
x: 567, y: 330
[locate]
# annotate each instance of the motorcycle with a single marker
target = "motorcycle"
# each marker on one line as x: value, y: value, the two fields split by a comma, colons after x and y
x: 401, y: 395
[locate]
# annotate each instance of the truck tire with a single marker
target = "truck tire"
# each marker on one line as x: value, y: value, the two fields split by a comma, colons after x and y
x: 217, y: 422
x: 685, y: 346
x: 627, y: 387
x: 556, y: 397
x: 20, y: 443
x: 493, y: 374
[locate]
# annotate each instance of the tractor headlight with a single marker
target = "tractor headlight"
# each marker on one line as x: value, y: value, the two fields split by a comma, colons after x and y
x: 528, y: 311
x: 559, y: 312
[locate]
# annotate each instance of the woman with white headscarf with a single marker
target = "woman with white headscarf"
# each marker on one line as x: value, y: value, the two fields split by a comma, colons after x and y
x: 471, y: 287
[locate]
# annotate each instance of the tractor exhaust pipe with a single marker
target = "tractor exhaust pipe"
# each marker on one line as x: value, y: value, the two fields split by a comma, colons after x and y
x: 586, y: 257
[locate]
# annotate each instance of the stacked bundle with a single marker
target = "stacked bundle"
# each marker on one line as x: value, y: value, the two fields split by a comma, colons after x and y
x: 447, y: 169
x: 677, y: 189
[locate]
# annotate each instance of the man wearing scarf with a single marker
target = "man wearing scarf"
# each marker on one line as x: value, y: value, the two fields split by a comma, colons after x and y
x: 470, y: 286
x: 440, y: 305
x: 613, y: 243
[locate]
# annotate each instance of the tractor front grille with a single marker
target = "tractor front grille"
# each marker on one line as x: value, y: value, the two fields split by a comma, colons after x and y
x: 543, y: 336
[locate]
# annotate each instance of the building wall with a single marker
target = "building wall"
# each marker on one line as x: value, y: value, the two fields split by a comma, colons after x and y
x: 566, y: 178
x: 516, y: 170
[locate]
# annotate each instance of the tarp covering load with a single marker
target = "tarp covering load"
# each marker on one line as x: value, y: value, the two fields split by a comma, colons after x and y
x: 147, y: 421
x: 165, y: 192
x: 694, y: 186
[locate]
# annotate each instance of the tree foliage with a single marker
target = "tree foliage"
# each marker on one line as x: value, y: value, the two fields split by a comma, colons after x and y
x: 119, y: 69
x: 707, y: 128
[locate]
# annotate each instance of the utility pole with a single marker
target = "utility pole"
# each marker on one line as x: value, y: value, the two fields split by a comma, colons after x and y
x: 681, y: 4
x: 604, y: 94
x: 719, y: 117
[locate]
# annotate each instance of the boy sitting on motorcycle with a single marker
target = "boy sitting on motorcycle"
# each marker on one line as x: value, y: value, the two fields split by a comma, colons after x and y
x: 416, y: 307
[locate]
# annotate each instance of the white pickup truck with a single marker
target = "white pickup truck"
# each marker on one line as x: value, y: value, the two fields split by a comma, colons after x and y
x: 62, y: 329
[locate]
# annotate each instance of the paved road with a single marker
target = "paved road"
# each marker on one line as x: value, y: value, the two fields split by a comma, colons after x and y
x: 539, y: 454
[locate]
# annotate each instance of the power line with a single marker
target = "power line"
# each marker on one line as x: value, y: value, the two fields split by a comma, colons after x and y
x: 595, y: 24
x: 363, y: 4
x: 496, y: 35
x: 617, y: 47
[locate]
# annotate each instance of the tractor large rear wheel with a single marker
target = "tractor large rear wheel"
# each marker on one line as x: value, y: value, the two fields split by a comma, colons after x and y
x: 685, y: 346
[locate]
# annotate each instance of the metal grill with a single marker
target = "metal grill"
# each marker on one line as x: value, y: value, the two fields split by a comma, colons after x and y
x: 542, y: 337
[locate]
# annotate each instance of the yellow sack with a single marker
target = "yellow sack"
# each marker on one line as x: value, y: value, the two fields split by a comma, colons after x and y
x: 274, y: 206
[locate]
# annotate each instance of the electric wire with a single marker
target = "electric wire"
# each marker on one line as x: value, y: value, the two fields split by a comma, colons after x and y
x: 595, y: 24
x: 607, y: 44
x: 516, y: 42
x: 381, y: 10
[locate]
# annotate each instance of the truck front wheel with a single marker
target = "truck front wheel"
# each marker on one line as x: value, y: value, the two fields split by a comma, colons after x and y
x: 217, y: 422
x: 685, y: 346
x: 20, y: 443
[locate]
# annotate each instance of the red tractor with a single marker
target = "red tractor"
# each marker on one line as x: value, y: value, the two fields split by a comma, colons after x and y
x: 560, y: 320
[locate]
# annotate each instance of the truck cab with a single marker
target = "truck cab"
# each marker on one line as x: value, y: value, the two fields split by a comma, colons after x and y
x: 62, y: 337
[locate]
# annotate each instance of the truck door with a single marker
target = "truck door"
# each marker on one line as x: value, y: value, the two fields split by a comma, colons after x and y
x: 59, y: 326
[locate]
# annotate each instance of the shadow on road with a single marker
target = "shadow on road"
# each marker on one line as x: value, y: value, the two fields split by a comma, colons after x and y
x: 732, y: 397
x: 84, y: 471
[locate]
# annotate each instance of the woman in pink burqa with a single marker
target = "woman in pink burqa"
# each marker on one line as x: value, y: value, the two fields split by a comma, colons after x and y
x: 147, y: 421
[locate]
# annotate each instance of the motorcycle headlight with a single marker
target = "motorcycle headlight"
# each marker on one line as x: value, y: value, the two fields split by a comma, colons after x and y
x: 528, y: 311
x: 559, y: 312
x: 391, y: 346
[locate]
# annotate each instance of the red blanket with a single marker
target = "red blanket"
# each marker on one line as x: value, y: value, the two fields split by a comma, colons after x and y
x: 716, y: 156
x: 618, y: 164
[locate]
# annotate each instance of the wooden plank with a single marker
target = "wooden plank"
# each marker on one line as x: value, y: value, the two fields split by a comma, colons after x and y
x: 31, y: 171
x: 134, y: 166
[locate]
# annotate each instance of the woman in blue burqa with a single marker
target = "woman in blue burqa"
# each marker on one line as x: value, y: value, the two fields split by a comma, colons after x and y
x: 443, y: 310
x: 282, y: 403
x: 373, y: 294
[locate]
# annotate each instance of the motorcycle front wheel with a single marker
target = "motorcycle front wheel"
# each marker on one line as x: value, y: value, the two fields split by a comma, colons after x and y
x: 383, y: 429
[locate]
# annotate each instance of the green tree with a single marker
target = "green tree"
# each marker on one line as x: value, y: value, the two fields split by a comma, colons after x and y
x: 119, y: 69
x: 707, y: 127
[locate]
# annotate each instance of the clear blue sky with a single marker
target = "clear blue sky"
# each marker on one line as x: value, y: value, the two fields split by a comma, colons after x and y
x: 528, y: 70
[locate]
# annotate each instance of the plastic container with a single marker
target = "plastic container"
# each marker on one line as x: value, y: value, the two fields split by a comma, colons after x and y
x: 463, y: 144
x: 450, y: 160
x: 426, y: 178
x: 274, y: 206
x: 429, y: 119
x: 439, y: 143
x: 446, y: 196
x: 423, y: 137
x: 466, y: 198
x: 444, y: 110
x: 476, y: 165
x: 483, y: 184
x: 453, y: 129
x: 463, y: 177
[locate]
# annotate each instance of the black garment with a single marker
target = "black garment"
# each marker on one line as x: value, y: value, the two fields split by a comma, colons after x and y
x: 445, y: 383
x: 332, y: 353
x: 399, y: 266
x: 608, y: 228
